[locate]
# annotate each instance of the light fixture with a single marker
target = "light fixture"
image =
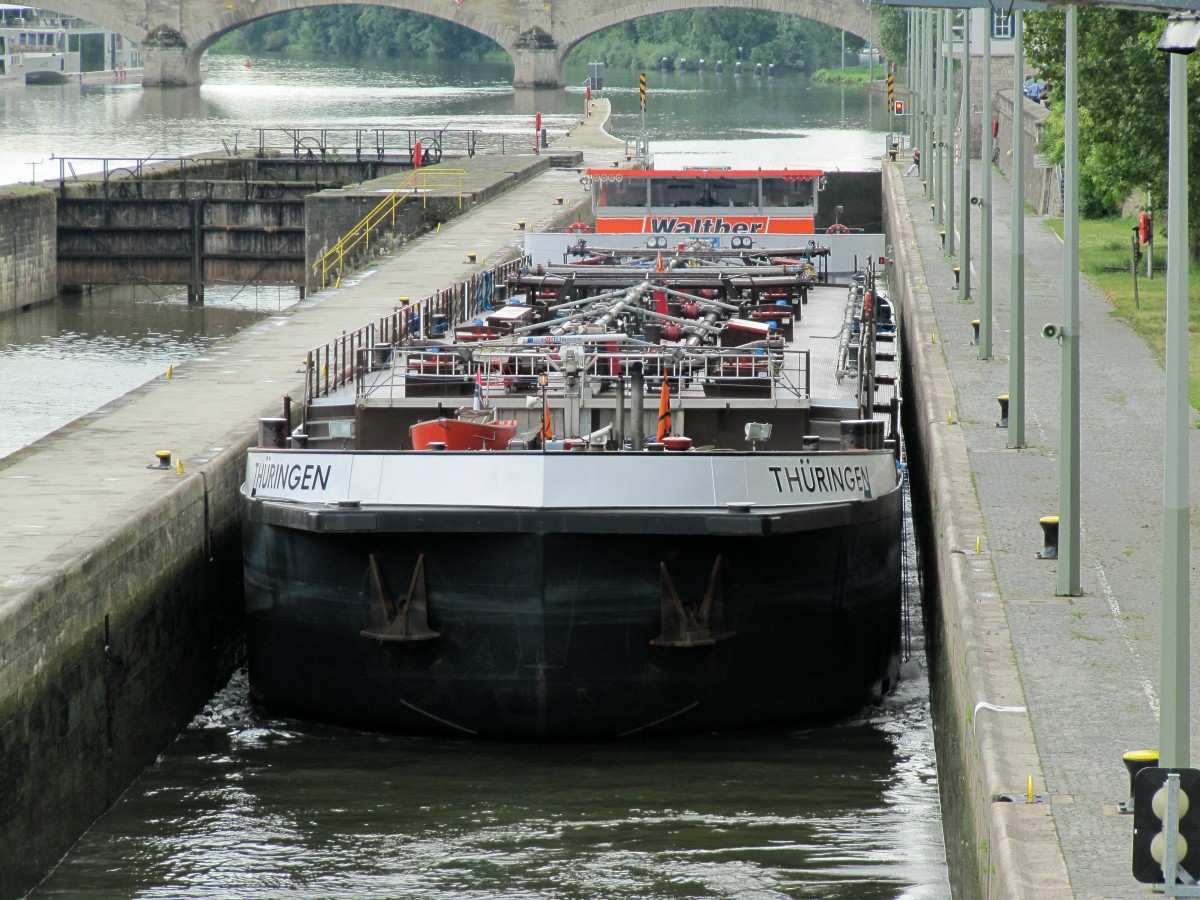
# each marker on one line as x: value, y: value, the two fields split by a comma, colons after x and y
x: 1182, y: 34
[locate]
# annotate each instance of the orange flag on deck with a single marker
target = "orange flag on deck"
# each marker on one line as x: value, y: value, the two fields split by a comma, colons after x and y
x: 664, y: 412
x: 545, y: 434
x: 659, y: 265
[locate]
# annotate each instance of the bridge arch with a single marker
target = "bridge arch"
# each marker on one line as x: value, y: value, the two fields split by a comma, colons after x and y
x: 537, y: 35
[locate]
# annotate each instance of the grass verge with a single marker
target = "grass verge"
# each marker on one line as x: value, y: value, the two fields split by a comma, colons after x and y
x: 1105, y: 251
x: 856, y: 75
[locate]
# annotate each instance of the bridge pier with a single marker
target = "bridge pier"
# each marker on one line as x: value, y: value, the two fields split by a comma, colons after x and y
x: 168, y: 61
x: 537, y: 68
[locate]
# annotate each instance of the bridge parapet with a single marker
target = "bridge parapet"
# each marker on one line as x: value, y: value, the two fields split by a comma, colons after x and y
x: 537, y: 34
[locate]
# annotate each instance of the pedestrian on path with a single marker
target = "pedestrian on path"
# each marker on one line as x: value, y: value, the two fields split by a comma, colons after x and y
x: 915, y: 168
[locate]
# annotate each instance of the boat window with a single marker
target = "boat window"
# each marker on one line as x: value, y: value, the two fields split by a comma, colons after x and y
x: 671, y: 192
x: 788, y: 191
x: 626, y: 192
x: 731, y: 192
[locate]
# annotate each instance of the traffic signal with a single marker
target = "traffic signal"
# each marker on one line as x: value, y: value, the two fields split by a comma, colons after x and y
x: 899, y: 107
x: 1153, y: 829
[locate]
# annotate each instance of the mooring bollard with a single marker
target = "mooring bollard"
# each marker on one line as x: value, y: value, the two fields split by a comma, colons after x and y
x: 942, y: 235
x: 1135, y: 761
x: 1049, y: 536
x: 957, y: 272
x: 974, y: 322
x: 1003, y: 423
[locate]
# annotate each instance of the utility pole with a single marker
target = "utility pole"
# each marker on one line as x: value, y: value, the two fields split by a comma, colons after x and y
x: 1068, y: 469
x: 1016, y: 313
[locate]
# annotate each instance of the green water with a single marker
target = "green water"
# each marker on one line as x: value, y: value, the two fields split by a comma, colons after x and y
x: 247, y: 806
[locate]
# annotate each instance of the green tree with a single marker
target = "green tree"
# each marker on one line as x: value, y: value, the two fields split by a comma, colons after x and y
x: 893, y: 34
x: 1123, y: 102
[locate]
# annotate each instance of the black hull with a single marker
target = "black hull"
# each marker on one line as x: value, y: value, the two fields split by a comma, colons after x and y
x: 548, y: 635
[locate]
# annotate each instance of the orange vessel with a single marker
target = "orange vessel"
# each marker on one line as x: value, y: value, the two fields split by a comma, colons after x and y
x: 463, y: 433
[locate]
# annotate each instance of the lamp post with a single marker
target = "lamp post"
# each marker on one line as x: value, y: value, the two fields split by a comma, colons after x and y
x: 948, y: 133
x: 964, y: 159
x: 1016, y: 307
x: 1068, y: 457
x: 1180, y: 38
x: 985, y: 201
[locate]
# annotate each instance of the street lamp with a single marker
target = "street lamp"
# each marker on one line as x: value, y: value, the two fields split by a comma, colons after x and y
x: 1181, y: 37
x: 1182, y: 34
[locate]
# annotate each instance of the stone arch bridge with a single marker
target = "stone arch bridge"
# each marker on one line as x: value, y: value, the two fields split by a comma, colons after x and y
x: 538, y: 34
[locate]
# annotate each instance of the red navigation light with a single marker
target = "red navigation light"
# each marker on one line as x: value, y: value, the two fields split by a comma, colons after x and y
x: 899, y: 107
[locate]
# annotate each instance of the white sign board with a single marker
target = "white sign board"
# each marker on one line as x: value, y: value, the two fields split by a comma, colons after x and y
x: 570, y: 480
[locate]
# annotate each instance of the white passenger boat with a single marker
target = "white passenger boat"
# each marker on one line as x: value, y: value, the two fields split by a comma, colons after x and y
x: 49, y: 48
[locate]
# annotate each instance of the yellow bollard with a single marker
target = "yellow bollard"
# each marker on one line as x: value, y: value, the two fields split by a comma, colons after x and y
x: 977, y: 545
x: 324, y: 370
x: 170, y: 369
x: 1029, y: 791
x: 179, y: 467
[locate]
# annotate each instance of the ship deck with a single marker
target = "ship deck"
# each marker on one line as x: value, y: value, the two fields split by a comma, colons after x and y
x: 813, y: 370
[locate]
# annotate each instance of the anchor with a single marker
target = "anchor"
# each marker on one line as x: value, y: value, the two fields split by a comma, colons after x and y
x: 686, y: 626
x: 409, y: 622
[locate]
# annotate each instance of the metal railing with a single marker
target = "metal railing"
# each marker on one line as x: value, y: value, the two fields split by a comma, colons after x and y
x: 418, y: 183
x: 514, y: 369
x: 340, y: 361
x: 365, y: 142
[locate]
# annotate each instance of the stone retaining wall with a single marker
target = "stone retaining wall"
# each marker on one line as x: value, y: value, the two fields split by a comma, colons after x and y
x: 103, y: 662
x: 28, y: 257
x: 988, y: 843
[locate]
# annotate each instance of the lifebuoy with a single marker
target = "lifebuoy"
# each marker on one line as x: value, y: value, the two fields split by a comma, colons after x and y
x: 1144, y: 228
x: 579, y: 228
x: 837, y: 228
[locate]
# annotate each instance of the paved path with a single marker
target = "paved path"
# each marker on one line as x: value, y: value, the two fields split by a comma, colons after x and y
x: 1088, y: 665
x: 66, y: 491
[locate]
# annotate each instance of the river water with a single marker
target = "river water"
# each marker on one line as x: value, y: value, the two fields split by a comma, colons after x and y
x: 246, y: 805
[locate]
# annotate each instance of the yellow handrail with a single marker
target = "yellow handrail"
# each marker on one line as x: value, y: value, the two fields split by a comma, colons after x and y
x: 419, y: 180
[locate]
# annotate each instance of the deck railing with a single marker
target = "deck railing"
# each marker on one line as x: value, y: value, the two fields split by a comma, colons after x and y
x: 598, y: 359
x: 340, y: 361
